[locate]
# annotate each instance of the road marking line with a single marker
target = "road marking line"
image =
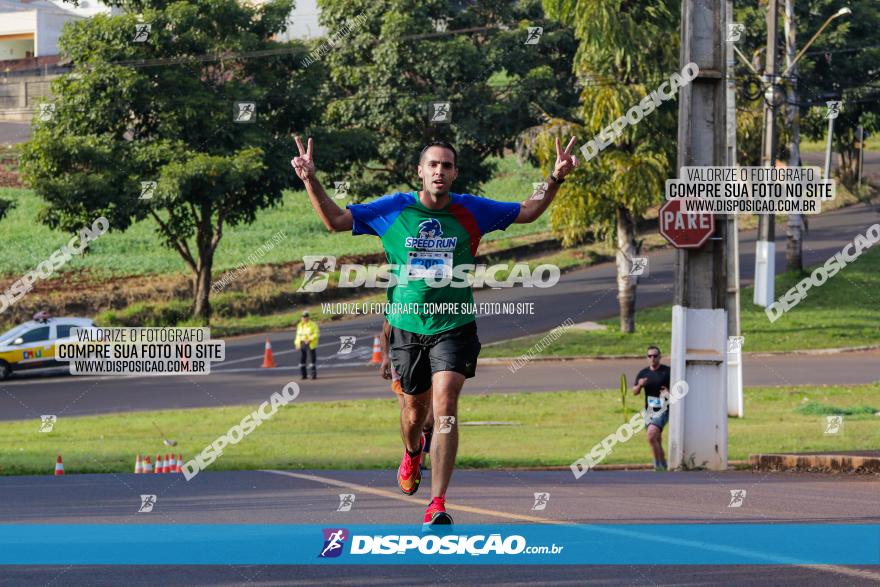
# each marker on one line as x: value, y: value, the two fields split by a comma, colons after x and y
x: 399, y: 497
x: 363, y: 363
x: 274, y: 352
x: 838, y: 570
x: 256, y: 357
x: 835, y: 569
x: 56, y: 373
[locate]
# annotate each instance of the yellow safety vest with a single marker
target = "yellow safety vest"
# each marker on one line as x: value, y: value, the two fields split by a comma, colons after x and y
x: 307, y: 331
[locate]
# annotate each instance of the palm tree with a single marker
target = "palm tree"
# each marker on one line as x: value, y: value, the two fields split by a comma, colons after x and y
x: 627, y: 48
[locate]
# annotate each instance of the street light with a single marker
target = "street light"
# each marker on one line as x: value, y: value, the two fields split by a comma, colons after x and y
x: 828, y: 145
x: 841, y: 12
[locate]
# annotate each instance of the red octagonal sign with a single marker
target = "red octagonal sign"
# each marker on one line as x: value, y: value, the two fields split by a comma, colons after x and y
x: 685, y: 231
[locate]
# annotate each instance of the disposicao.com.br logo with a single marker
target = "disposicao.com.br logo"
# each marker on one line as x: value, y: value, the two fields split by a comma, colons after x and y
x: 334, y: 541
x: 434, y: 272
x: 429, y: 544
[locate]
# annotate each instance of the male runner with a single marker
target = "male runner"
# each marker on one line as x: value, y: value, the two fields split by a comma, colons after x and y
x: 654, y: 379
x: 425, y: 234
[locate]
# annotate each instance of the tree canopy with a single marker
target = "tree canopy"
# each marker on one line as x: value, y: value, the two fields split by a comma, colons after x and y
x: 385, y: 73
x: 171, y: 104
x: 625, y: 51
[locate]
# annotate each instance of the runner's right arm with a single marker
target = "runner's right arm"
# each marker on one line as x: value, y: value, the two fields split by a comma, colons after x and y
x: 333, y: 217
x: 637, y: 388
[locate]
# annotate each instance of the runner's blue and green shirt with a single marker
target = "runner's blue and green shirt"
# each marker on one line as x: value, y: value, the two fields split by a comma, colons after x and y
x: 424, y: 244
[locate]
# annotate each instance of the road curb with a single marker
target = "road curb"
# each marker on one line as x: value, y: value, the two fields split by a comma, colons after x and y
x: 624, y: 467
x: 841, y: 350
x: 838, y: 463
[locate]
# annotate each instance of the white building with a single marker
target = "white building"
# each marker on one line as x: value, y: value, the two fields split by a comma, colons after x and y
x: 303, y: 22
x: 30, y: 28
x: 29, y: 54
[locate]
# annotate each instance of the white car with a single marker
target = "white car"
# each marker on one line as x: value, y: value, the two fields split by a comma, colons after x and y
x: 32, y: 345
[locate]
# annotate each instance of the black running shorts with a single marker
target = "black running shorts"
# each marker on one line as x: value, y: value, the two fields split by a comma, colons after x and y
x: 417, y: 356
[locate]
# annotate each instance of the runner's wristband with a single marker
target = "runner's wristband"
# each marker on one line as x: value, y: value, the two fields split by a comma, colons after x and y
x: 556, y: 179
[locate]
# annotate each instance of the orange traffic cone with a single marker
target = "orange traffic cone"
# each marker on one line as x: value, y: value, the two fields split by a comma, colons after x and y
x: 169, y: 464
x: 377, y: 352
x: 160, y: 464
x: 148, y: 466
x: 59, y: 466
x: 268, y: 361
x: 138, y: 465
x: 180, y: 462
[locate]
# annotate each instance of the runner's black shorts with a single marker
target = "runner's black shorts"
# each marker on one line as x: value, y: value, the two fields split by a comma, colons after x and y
x: 417, y: 356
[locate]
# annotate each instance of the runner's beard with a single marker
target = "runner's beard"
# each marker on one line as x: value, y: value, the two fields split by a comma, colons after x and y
x: 436, y: 191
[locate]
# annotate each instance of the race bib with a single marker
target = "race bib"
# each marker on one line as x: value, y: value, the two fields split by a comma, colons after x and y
x: 655, y: 403
x: 431, y: 264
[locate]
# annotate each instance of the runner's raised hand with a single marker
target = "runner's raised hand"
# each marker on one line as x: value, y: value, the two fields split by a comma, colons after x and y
x: 304, y: 165
x: 565, y: 161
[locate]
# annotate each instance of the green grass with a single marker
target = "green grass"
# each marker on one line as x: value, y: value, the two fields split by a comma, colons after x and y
x: 138, y: 251
x: 873, y: 144
x: 237, y: 325
x: 843, y: 312
x: 551, y: 429
x: 226, y: 324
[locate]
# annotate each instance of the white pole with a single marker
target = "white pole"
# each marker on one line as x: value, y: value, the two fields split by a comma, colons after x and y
x: 828, y: 148
x: 734, y: 361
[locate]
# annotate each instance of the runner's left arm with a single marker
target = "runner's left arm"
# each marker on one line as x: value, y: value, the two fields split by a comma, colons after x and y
x: 531, y: 209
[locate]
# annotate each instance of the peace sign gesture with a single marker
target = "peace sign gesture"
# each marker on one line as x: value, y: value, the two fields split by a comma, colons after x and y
x: 565, y: 161
x: 303, y: 165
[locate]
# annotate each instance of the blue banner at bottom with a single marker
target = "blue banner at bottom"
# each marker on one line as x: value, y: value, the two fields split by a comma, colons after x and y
x: 527, y: 544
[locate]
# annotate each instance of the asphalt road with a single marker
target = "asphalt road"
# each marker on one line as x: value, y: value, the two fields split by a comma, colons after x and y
x: 13, y: 133
x: 67, y: 396
x: 871, y: 163
x: 476, y: 497
x: 583, y: 295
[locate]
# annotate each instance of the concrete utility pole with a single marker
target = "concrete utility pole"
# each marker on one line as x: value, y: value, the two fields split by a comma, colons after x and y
x: 698, y: 423
x: 765, y: 247
x: 734, y: 364
x: 828, y: 144
x: 794, y: 244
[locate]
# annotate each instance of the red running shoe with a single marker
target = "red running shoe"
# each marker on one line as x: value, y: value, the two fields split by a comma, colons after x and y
x: 409, y: 474
x: 436, y: 514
